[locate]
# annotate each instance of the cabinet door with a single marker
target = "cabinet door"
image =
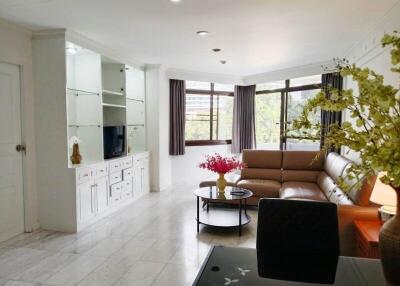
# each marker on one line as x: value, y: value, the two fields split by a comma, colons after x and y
x: 137, y: 178
x: 135, y: 83
x: 135, y: 112
x: 128, y: 188
x: 102, y: 197
x: 86, y: 201
x: 145, y: 175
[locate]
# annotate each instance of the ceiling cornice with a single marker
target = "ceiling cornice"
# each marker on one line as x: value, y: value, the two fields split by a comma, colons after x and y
x: 370, y: 45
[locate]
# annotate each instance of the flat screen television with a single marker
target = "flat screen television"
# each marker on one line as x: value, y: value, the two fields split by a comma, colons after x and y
x: 114, y: 141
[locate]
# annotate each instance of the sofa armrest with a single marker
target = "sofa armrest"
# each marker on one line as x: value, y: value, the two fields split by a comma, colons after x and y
x: 347, y: 214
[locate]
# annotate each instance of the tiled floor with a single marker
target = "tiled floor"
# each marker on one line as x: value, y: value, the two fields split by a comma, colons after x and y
x: 151, y: 242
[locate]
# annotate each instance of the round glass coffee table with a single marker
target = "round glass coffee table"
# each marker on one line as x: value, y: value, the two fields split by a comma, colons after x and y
x: 222, y: 217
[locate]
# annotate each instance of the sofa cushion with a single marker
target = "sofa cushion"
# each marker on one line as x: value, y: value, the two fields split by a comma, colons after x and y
x: 261, y: 188
x: 265, y: 159
x: 300, y: 175
x: 359, y: 195
x: 326, y: 184
x: 264, y: 174
x: 335, y: 164
x: 302, y: 160
x: 340, y: 198
x: 302, y: 190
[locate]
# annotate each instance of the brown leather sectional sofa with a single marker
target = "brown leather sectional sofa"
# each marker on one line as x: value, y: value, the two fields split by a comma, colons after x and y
x: 298, y: 175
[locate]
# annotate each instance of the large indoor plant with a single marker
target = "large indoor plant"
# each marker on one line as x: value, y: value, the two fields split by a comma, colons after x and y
x: 374, y: 134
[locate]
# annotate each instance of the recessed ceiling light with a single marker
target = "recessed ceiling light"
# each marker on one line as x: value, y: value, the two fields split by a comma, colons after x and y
x: 223, y: 62
x: 216, y: 50
x: 175, y: 1
x: 202, y: 33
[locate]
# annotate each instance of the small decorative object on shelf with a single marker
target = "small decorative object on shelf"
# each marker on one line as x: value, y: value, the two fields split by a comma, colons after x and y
x: 76, y: 157
x: 221, y: 166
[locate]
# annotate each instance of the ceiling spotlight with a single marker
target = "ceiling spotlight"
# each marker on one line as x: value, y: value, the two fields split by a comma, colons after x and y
x: 175, y: 1
x: 202, y: 33
x: 216, y: 50
x: 223, y: 62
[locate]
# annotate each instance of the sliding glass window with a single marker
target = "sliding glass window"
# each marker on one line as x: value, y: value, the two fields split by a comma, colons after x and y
x: 277, y: 105
x: 209, y: 113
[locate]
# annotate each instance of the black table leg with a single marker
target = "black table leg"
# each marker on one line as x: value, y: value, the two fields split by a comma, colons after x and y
x: 208, y: 205
x: 245, y: 206
x: 240, y: 217
x: 198, y: 215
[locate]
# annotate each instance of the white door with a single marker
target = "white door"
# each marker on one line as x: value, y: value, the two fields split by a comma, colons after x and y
x: 11, y: 186
x: 102, y: 197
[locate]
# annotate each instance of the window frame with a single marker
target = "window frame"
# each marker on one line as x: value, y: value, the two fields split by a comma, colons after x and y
x: 284, y: 108
x: 210, y: 93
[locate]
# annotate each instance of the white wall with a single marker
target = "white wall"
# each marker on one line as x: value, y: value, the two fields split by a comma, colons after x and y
x: 185, y: 168
x: 369, y: 53
x: 157, y: 118
x: 16, y: 48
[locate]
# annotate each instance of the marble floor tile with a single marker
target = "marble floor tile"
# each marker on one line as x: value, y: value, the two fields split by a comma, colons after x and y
x: 108, y: 273
x: 134, y: 249
x: 19, y: 283
x: 161, y: 251
x: 142, y: 273
x: 26, y: 238
x: 176, y: 275
x: 45, y: 268
x: 75, y: 271
x: 107, y: 247
x: 153, y: 241
x: 14, y: 260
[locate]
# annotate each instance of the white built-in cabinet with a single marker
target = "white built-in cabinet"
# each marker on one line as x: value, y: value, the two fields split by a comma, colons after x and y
x: 78, y: 91
x: 105, y: 187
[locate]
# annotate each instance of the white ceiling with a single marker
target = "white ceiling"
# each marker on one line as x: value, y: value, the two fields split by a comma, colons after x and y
x: 255, y: 36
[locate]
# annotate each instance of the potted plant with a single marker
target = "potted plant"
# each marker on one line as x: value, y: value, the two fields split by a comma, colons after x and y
x: 375, y: 135
x: 221, y: 165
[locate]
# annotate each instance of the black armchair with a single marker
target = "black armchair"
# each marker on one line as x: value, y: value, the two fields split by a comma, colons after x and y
x: 297, y: 240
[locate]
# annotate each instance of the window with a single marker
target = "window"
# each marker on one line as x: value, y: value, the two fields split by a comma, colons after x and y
x: 277, y: 105
x: 209, y: 113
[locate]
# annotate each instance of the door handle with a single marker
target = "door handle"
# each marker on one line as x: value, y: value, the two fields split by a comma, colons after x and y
x: 20, y: 148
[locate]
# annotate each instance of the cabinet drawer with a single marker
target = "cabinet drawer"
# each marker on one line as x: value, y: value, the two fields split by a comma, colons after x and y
x: 127, y: 163
x: 84, y: 175
x: 128, y: 188
x: 128, y: 173
x: 116, y: 190
x: 115, y: 166
x: 115, y: 177
x: 101, y: 170
x: 127, y: 195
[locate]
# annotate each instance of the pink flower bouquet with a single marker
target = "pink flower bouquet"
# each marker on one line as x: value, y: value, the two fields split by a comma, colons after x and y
x: 221, y: 165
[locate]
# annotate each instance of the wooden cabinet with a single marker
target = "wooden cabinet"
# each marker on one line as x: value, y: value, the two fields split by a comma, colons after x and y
x: 367, y: 238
